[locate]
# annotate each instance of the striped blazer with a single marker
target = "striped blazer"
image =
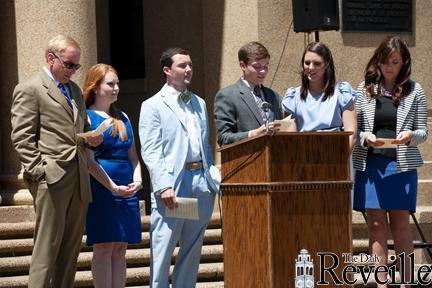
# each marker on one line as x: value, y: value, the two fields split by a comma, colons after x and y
x: 411, y: 116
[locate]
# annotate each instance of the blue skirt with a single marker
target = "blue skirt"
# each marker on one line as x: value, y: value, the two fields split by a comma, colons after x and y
x: 381, y: 186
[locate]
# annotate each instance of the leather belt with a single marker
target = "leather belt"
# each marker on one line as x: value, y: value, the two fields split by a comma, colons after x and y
x: 191, y: 166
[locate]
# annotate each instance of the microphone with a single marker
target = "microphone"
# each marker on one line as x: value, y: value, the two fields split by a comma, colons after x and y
x: 265, y: 106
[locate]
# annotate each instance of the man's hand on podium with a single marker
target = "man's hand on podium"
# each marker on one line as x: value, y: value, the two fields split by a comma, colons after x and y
x: 273, y: 126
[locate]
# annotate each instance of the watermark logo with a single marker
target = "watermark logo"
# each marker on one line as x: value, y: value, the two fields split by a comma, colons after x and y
x: 333, y: 269
x: 304, y: 276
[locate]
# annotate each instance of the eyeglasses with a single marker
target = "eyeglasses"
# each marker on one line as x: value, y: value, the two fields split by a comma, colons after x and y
x: 66, y: 64
x: 259, y: 67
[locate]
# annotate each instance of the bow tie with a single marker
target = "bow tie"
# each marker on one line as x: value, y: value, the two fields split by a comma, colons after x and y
x: 185, y: 96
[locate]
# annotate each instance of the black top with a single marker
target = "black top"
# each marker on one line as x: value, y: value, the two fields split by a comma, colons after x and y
x: 385, y: 124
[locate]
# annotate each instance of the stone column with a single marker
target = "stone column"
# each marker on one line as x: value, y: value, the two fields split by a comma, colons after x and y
x: 227, y: 25
x: 30, y: 25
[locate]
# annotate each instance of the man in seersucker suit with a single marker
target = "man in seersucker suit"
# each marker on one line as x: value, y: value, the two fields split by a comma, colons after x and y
x: 47, y: 113
x: 173, y: 129
x: 238, y: 109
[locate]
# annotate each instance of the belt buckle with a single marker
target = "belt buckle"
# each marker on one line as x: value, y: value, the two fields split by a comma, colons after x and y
x: 192, y: 166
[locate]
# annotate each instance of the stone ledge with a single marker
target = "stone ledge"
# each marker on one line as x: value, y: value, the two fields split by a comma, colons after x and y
x: 425, y: 172
x: 423, y: 215
x: 15, y: 197
x: 22, y: 229
x: 135, y: 276
x: 12, y: 247
x: 134, y: 258
x: 15, y: 214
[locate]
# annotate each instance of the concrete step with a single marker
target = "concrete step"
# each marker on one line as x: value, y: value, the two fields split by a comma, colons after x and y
x: 19, y: 265
x: 140, y: 256
x: 135, y: 276
x: 20, y: 247
x: 16, y: 197
x: 19, y: 195
x: 16, y: 214
x: 12, y: 211
x: 25, y: 213
x: 423, y: 215
x: 17, y: 236
x: 424, y: 196
x: 25, y: 229
x: 425, y: 150
x: 425, y: 172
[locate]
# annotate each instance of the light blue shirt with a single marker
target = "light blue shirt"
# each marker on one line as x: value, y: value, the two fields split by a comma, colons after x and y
x: 312, y: 114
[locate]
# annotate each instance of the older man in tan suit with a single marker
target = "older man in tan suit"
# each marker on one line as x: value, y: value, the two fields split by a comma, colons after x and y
x: 47, y: 113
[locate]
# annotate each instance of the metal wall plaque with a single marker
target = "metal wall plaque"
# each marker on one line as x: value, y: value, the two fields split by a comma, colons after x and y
x: 377, y: 15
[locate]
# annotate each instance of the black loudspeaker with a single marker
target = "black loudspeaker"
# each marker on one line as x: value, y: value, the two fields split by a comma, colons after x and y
x: 315, y: 15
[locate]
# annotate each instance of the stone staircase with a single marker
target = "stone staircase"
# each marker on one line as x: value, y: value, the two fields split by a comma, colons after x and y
x: 16, y: 243
x: 16, y: 231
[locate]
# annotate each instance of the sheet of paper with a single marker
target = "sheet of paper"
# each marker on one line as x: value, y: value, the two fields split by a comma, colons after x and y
x: 187, y: 209
x: 387, y: 143
x: 98, y: 131
x: 285, y: 123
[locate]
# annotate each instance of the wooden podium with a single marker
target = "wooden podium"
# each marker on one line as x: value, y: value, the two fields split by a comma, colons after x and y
x: 282, y: 193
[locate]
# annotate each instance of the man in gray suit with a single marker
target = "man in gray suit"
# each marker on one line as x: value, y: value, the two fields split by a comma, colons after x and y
x: 238, y: 108
x: 47, y: 113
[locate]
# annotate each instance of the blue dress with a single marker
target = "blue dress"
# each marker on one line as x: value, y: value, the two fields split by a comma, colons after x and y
x: 312, y: 114
x: 113, y: 218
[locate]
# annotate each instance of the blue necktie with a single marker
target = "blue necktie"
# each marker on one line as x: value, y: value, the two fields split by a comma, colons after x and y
x: 66, y: 94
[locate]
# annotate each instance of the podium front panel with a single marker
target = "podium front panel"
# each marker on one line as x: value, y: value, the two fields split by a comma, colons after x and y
x: 311, y: 216
x: 246, y: 242
x: 265, y: 225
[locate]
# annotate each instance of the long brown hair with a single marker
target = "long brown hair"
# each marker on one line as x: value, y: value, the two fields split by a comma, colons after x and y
x: 329, y: 76
x: 373, y: 75
x: 95, y: 76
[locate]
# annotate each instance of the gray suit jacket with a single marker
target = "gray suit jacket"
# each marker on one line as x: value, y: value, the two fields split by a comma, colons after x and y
x: 236, y: 112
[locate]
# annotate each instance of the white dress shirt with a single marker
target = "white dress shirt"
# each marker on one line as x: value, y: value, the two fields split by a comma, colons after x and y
x: 194, y: 132
x: 192, y: 127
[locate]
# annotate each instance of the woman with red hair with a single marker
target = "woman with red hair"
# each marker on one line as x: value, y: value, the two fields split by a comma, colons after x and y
x: 113, y: 218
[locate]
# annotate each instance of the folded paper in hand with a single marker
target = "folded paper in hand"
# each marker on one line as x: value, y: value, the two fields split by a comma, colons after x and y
x: 98, y: 131
x: 388, y: 143
x: 285, y: 123
x: 187, y: 209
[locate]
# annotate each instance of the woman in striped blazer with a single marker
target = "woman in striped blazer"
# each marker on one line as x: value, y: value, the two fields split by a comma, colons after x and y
x: 390, y: 105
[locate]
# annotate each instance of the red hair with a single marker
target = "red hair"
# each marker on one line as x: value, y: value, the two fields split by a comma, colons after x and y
x: 95, y: 76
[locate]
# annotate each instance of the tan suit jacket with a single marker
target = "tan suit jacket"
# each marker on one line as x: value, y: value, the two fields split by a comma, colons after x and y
x: 44, y: 132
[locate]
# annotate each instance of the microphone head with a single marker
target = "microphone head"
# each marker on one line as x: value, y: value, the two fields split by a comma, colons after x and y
x: 265, y: 106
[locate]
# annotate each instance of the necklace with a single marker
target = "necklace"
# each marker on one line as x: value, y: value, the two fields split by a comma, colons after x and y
x: 386, y: 93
